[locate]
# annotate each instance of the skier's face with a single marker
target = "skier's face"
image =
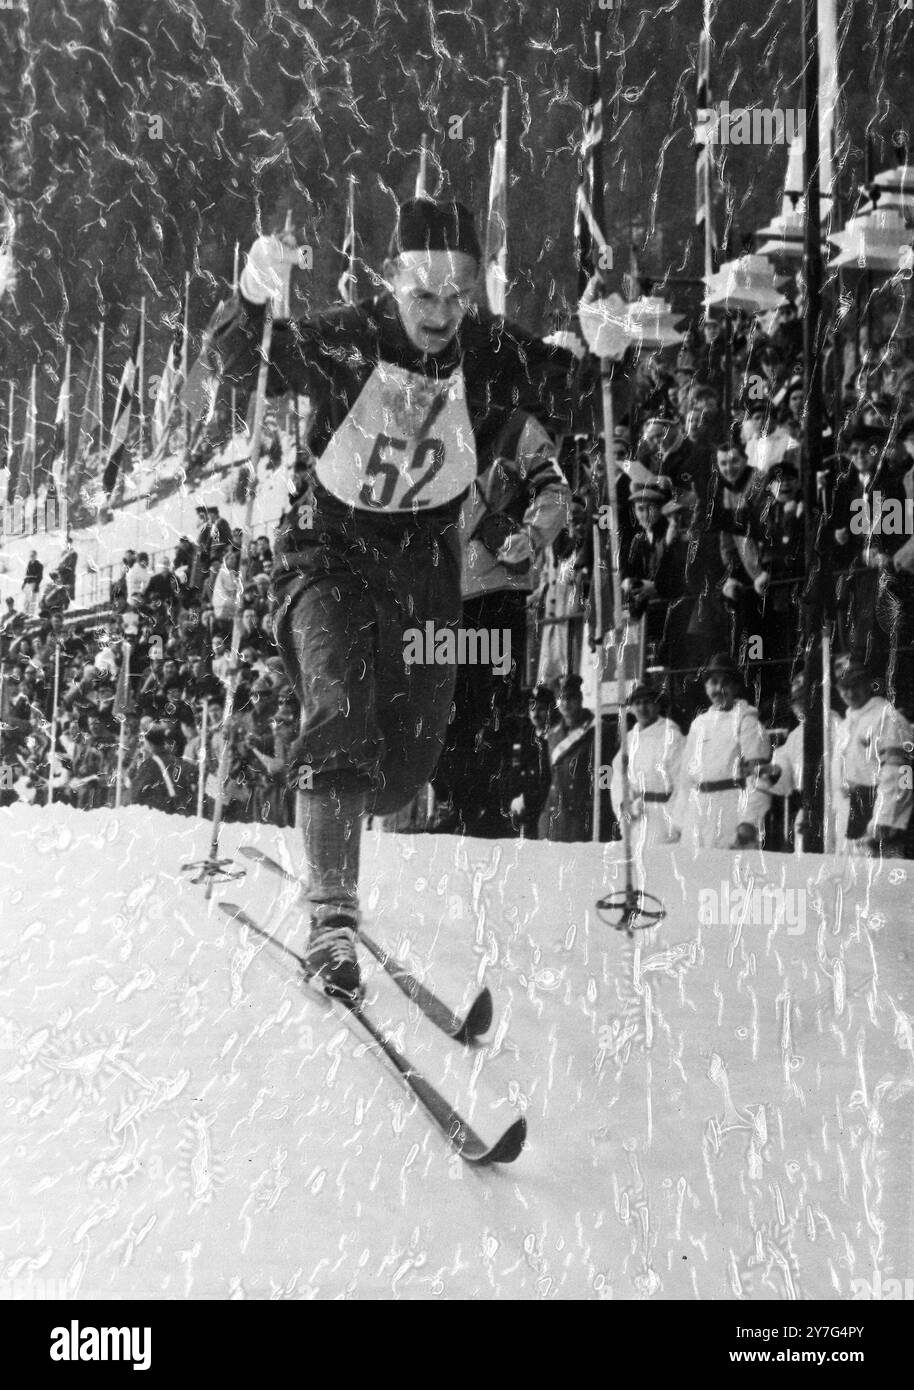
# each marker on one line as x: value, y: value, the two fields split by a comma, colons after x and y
x: 433, y: 292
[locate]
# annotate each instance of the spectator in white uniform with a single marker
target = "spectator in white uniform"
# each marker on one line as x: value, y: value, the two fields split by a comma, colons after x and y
x: 719, y: 799
x: 873, y: 762
x: 654, y: 748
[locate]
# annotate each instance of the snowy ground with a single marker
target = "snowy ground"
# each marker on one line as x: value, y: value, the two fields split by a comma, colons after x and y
x: 715, y: 1111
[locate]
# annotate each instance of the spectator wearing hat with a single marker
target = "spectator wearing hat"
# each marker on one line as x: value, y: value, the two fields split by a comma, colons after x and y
x: 160, y: 781
x: 138, y: 577
x: 34, y: 573
x: 66, y: 569
x: 162, y: 596
x: 654, y: 748
x: 568, y: 813
x: 531, y: 768
x: 783, y: 777
x: 735, y: 518
x: 873, y: 615
x: 654, y: 564
x: 873, y: 767
x: 719, y: 800
x: 783, y: 558
x: 118, y: 593
x: 711, y: 356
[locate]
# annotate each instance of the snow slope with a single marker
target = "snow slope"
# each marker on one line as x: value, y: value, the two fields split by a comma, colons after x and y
x: 715, y: 1111
x: 157, y: 528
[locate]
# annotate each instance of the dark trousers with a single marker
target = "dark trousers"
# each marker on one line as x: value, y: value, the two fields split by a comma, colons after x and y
x: 370, y: 722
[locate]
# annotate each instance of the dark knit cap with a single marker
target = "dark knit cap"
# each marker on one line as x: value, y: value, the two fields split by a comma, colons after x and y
x: 423, y: 225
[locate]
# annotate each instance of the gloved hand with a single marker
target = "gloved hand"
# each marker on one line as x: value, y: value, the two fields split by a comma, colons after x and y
x: 516, y: 553
x: 760, y: 583
x: 517, y: 806
x: 602, y: 322
x: 636, y: 807
x: 268, y: 270
x: 731, y: 590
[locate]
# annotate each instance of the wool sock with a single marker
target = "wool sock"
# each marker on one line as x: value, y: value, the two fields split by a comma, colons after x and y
x: 331, y: 828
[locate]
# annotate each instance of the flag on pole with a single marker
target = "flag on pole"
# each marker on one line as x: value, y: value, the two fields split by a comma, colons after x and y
x: 590, y: 243
x: 422, y: 175
x: 123, y: 409
x: 25, y: 485
x: 91, y: 425
x: 59, y: 461
x: 497, y: 223
x: 828, y: 96
x: 347, y: 281
x: 704, y: 135
x: 6, y: 472
x: 54, y: 490
x: 166, y: 398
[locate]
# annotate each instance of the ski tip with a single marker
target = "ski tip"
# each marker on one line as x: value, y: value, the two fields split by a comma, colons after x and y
x: 479, y: 1018
x: 504, y: 1150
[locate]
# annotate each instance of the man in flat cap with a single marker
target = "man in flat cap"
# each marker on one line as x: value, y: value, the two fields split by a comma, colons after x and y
x: 719, y: 802
x: 410, y: 391
x: 532, y: 772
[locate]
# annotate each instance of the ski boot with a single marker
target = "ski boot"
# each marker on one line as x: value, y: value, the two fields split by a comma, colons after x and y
x: 330, y: 956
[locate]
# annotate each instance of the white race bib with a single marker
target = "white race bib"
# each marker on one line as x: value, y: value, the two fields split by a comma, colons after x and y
x: 406, y: 444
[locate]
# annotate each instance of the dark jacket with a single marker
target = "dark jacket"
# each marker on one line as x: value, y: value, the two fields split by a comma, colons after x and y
x: 150, y: 788
x: 568, y: 813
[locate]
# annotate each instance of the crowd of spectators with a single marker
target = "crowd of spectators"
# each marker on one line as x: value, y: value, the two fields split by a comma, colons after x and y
x: 713, y: 538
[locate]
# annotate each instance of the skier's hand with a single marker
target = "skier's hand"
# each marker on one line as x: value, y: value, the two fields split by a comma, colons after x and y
x: 731, y: 590
x: 603, y: 321
x: 268, y: 270
x: 517, y: 806
x: 636, y: 807
x: 760, y: 583
x: 842, y: 536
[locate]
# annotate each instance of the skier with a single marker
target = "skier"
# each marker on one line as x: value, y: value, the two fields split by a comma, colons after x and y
x: 655, y: 747
x: 410, y: 391
x: 719, y: 797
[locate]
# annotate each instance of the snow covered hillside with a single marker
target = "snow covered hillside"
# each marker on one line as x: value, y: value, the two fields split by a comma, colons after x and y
x: 718, y: 1110
x: 152, y: 528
